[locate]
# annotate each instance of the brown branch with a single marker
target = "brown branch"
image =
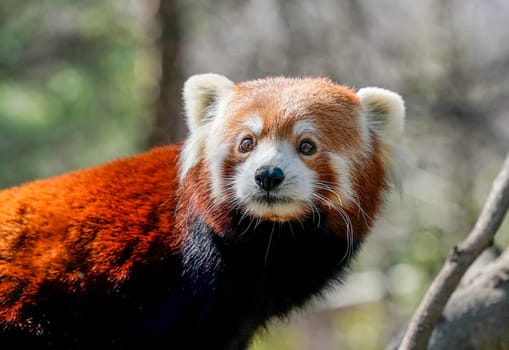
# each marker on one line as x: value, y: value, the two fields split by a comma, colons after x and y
x: 430, y: 310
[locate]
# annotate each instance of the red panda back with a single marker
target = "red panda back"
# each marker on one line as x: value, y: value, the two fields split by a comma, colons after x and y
x: 85, y: 226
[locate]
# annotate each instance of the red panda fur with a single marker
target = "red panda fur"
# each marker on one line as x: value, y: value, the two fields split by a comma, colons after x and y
x: 127, y: 255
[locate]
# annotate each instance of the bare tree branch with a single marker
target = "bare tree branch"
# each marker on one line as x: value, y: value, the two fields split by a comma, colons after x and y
x: 430, y: 310
x: 476, y: 316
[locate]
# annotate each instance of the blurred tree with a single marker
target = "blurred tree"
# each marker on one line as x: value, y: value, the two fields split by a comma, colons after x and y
x: 68, y: 93
x: 168, y: 126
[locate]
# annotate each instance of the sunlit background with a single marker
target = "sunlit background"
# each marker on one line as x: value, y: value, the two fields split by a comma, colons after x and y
x: 84, y: 82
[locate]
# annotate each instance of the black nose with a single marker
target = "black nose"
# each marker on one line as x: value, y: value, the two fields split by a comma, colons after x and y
x: 269, y: 177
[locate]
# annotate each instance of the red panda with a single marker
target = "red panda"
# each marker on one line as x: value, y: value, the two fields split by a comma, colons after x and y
x: 198, y: 245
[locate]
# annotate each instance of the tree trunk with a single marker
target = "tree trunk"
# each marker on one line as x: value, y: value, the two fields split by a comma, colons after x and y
x: 169, y: 125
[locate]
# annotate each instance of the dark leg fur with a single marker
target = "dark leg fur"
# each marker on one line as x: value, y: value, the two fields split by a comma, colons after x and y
x: 213, y: 295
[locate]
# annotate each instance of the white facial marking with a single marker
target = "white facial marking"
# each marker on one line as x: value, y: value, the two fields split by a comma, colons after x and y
x: 254, y: 124
x: 190, y: 154
x: 303, y: 126
x: 216, y: 157
x: 344, y: 182
x: 291, y: 197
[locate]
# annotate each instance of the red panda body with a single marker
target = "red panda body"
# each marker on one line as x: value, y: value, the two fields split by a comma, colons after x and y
x: 199, y: 245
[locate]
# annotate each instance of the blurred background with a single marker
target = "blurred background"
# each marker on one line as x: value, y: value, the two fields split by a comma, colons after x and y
x: 84, y: 82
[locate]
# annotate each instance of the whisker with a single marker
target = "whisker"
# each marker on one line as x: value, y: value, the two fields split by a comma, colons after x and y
x: 268, y: 245
x: 346, y: 219
x: 247, y: 228
x: 291, y: 229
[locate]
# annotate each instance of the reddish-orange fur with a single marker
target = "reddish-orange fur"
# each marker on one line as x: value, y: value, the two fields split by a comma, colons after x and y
x: 282, y: 102
x: 85, y: 232
x: 79, y: 220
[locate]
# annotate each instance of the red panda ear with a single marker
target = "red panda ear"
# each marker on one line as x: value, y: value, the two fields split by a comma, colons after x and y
x: 384, y: 111
x: 201, y: 94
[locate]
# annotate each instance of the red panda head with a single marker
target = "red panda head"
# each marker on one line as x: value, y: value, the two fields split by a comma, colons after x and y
x: 283, y: 149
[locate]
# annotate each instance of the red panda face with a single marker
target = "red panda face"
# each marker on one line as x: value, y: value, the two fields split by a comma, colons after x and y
x: 289, y: 141
x: 278, y: 149
x: 272, y: 179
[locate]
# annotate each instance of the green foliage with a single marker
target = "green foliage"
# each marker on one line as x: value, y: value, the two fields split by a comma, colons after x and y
x: 69, y: 97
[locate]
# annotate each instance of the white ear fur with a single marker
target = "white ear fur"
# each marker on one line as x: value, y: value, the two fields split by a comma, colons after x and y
x: 204, y: 98
x: 201, y: 93
x: 384, y: 113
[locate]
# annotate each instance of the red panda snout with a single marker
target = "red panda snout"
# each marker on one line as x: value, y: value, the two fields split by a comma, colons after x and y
x: 269, y: 177
x: 273, y: 183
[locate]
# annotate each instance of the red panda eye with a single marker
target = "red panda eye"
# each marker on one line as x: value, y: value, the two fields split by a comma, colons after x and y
x: 307, y: 147
x: 246, y: 145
